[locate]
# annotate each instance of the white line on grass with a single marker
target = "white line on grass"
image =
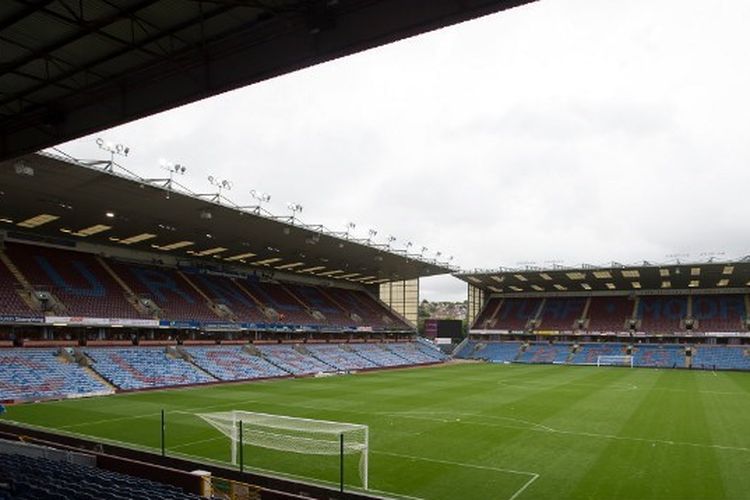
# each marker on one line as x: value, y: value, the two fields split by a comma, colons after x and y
x: 302, y: 479
x: 533, y: 476
x: 531, y: 426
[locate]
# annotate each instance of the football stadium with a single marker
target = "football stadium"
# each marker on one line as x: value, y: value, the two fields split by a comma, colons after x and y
x: 157, y: 342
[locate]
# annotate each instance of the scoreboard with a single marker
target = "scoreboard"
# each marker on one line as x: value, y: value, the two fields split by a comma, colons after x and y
x: 443, y: 328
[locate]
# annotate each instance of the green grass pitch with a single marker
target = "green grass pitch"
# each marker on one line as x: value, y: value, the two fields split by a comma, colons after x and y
x: 472, y: 431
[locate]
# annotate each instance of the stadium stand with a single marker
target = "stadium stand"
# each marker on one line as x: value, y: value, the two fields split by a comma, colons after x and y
x: 609, y: 314
x: 561, y: 314
x: 588, y: 353
x: 77, y: 279
x: 339, y: 357
x: 430, y: 349
x: 719, y: 313
x: 144, y: 367
x: 290, y: 358
x: 32, y: 374
x: 233, y: 363
x: 223, y: 290
x: 10, y: 301
x: 169, y: 290
x: 721, y: 357
x: 659, y: 356
x: 486, y: 318
x: 662, y: 314
x: 38, y: 478
x: 85, y: 285
x: 321, y: 302
x: 514, y: 314
x: 545, y: 353
x: 411, y: 353
x: 288, y: 307
x: 372, y: 312
x: 379, y: 355
x: 498, y: 352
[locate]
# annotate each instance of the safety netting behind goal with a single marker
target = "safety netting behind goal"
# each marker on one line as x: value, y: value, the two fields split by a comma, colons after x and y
x: 292, y: 434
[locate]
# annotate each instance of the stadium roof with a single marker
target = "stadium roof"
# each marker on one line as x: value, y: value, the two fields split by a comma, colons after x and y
x: 70, y: 67
x: 670, y: 277
x: 47, y: 196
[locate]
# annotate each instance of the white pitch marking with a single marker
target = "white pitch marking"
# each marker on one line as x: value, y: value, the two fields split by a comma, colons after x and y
x: 533, y: 476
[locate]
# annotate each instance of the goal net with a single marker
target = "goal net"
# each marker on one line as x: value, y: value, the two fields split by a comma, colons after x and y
x: 292, y: 434
x: 615, y: 361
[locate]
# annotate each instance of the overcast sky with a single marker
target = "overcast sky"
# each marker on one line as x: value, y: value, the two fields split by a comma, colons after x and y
x: 565, y: 130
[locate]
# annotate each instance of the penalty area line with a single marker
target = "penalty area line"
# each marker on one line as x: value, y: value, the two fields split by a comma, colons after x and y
x: 533, y: 476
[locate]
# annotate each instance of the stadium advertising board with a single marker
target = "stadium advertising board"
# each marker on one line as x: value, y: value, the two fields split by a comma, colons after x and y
x: 21, y: 319
x: 86, y: 321
x: 430, y: 328
x: 444, y: 328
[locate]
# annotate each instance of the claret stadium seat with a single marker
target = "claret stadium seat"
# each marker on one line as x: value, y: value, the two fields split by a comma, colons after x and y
x: 609, y: 314
x: 75, y: 278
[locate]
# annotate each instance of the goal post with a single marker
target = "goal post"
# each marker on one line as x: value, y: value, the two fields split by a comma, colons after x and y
x: 293, y: 434
x: 612, y: 360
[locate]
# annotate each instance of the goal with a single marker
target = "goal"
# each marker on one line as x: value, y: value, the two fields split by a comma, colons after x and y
x: 293, y: 434
x: 614, y: 360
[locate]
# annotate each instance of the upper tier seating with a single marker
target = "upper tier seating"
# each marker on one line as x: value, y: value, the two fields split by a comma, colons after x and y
x: 587, y: 354
x: 31, y: 374
x: 140, y: 368
x: 233, y: 363
x: 719, y: 313
x: 379, y: 355
x: 665, y: 356
x: 85, y: 287
x: 223, y: 290
x: 498, y: 352
x: 485, y: 318
x: 545, y: 353
x: 77, y: 279
x: 168, y: 289
x: 662, y: 314
x: 275, y: 296
x: 609, y: 314
x: 319, y: 300
x: 43, y: 479
x: 561, y: 314
x: 289, y: 359
x: 372, y: 312
x: 10, y: 302
x: 721, y: 357
x: 514, y: 314
x: 339, y: 357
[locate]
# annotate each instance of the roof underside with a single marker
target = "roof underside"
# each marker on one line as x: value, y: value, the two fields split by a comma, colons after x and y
x: 71, y: 67
x: 665, y: 278
x: 41, y: 195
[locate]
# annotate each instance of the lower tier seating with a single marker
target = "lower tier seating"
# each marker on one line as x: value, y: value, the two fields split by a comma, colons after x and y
x: 339, y: 357
x: 35, y: 478
x: 721, y: 357
x: 141, y: 368
x: 410, y: 353
x: 32, y: 374
x: 379, y: 355
x: 290, y: 359
x: 545, y: 353
x: 498, y: 352
x: 664, y: 356
x: 587, y: 354
x: 233, y: 363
